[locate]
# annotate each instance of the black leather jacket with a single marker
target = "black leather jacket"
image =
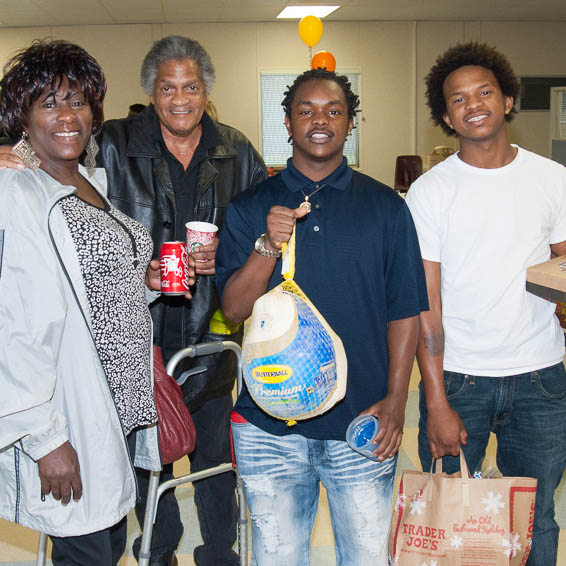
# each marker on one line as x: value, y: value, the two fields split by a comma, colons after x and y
x: 139, y: 184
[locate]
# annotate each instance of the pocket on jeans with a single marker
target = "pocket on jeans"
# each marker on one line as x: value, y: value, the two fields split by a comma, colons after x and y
x: 455, y: 384
x: 552, y: 382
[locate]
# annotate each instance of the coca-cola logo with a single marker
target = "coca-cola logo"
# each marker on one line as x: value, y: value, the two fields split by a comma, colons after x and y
x: 171, y: 264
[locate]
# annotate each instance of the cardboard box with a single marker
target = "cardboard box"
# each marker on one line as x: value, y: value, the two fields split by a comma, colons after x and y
x: 548, y: 280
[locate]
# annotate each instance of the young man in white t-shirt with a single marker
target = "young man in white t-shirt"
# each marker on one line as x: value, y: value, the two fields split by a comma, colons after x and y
x: 490, y: 353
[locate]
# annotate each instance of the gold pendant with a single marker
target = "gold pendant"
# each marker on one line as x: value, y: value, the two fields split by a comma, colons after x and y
x: 306, y: 205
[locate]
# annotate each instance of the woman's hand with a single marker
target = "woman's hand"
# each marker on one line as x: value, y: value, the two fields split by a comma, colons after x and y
x: 9, y: 160
x: 153, y: 276
x: 60, y: 474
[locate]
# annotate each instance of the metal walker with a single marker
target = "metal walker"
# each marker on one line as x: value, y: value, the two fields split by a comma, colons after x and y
x: 155, y: 490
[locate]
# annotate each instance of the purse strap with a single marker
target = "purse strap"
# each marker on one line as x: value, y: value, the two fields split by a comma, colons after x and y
x: 288, y: 261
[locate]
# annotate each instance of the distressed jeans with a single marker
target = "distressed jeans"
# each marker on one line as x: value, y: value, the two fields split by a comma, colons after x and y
x: 527, y: 413
x: 281, y: 476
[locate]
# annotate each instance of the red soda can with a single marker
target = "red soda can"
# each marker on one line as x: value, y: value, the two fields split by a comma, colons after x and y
x: 174, y: 268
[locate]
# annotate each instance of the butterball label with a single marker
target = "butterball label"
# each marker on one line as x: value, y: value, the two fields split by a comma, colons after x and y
x: 261, y: 391
x: 272, y: 373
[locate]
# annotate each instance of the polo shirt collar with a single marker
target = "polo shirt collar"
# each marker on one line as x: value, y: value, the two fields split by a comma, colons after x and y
x: 295, y: 181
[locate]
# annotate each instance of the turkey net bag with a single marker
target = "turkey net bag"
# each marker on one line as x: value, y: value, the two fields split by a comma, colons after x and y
x: 294, y: 364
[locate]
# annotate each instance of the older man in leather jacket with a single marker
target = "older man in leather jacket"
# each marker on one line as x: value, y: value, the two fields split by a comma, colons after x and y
x: 166, y: 166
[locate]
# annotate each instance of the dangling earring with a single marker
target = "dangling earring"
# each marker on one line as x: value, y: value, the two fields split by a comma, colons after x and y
x: 25, y: 152
x: 91, y: 153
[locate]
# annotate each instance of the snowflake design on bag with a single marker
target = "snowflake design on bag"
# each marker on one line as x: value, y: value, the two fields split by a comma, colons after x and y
x: 456, y: 541
x: 418, y: 504
x: 493, y: 502
x: 511, y: 544
x: 400, y: 501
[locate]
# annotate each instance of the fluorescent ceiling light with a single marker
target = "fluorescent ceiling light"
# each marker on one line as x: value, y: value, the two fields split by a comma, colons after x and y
x: 298, y: 12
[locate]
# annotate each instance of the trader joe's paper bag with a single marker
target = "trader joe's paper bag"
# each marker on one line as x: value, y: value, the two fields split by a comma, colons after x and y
x: 454, y: 520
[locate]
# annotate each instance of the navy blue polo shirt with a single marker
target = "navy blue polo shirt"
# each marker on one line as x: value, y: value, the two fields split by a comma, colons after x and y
x: 358, y: 261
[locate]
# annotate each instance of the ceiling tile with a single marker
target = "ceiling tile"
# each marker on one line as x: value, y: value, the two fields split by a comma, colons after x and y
x: 29, y: 13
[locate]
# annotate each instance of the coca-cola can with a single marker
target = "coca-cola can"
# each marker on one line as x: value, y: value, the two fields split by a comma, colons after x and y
x: 174, y: 268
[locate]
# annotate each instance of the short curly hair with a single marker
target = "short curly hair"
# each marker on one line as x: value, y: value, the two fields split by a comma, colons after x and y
x: 352, y: 100
x: 461, y: 55
x: 44, y: 65
x: 176, y: 48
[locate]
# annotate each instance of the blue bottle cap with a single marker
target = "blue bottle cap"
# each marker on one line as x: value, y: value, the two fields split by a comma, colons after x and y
x: 360, y: 435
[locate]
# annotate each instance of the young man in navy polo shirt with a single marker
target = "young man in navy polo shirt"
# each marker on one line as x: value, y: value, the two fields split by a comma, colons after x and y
x: 358, y: 260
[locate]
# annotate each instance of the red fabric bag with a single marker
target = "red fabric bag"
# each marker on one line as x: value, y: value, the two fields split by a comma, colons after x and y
x: 175, y: 425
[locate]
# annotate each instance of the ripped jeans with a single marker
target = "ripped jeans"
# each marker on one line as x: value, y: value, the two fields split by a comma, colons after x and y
x: 281, y: 476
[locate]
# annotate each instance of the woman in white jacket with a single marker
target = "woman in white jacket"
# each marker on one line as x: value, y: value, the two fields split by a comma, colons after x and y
x: 76, y: 398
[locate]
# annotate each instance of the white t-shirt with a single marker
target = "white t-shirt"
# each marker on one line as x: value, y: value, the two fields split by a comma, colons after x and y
x: 485, y: 227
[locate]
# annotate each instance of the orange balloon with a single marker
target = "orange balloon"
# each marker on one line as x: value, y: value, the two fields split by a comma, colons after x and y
x: 325, y: 60
x: 310, y: 30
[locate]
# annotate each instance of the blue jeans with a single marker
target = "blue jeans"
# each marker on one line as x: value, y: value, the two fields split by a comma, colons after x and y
x: 527, y: 413
x: 281, y: 476
x: 215, y: 497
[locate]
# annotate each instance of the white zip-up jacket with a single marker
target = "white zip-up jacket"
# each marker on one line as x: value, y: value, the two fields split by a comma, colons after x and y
x: 52, y: 385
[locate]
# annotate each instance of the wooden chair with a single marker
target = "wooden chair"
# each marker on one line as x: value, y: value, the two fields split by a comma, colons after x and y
x: 407, y: 169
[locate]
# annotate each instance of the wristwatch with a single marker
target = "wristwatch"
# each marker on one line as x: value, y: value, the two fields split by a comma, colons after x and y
x: 260, y: 248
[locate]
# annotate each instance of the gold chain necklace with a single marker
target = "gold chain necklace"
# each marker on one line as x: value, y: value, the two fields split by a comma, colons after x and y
x: 306, y: 204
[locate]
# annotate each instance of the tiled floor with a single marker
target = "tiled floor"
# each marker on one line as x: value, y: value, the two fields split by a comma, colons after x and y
x: 18, y: 545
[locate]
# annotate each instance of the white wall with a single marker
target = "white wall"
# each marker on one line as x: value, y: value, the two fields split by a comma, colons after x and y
x: 393, y: 58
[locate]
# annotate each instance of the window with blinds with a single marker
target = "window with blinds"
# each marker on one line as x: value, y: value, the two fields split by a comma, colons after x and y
x: 558, y: 113
x: 274, y: 138
x: 558, y: 124
x: 562, y: 115
x: 535, y: 92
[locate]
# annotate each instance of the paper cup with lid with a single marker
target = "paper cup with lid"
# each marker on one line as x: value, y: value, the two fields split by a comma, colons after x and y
x: 199, y: 234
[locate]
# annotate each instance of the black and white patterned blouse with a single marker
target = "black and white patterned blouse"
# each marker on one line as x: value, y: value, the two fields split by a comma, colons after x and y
x: 113, y: 252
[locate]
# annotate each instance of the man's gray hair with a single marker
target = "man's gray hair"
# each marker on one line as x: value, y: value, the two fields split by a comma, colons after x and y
x: 176, y: 48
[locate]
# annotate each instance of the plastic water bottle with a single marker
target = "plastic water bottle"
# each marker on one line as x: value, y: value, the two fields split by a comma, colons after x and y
x: 360, y: 434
